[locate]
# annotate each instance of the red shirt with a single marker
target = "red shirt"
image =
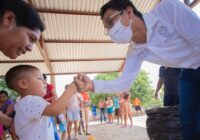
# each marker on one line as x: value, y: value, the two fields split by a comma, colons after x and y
x: 49, y: 94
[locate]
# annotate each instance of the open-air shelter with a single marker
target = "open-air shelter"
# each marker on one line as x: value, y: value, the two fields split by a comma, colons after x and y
x: 74, y: 40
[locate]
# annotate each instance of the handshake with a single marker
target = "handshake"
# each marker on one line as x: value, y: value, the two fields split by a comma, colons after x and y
x: 83, y: 83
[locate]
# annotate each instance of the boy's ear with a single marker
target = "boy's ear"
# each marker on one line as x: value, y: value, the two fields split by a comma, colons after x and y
x: 23, y: 84
x: 8, y: 19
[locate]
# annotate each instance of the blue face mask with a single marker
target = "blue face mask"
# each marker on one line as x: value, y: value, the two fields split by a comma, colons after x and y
x: 121, y: 34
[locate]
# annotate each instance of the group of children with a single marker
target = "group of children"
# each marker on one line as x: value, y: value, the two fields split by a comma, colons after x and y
x: 122, y: 107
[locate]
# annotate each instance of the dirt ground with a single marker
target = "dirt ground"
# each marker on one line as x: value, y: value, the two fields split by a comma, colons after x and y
x: 115, y: 132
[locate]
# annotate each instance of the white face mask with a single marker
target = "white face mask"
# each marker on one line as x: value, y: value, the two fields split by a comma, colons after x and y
x: 120, y: 33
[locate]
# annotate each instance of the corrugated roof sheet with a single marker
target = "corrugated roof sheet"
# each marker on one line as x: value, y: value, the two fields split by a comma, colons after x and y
x: 74, y: 40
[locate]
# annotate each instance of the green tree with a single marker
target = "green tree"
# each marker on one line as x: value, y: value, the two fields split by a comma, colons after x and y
x: 11, y: 93
x: 141, y: 88
x: 97, y: 96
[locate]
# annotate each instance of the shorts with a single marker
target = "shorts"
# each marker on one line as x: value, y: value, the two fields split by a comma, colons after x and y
x: 117, y: 111
x: 73, y: 115
x: 137, y: 108
x: 81, y: 114
x: 110, y: 110
x: 94, y: 113
x: 62, y: 126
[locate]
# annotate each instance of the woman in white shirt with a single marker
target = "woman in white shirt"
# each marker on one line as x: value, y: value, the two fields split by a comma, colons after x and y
x: 169, y: 35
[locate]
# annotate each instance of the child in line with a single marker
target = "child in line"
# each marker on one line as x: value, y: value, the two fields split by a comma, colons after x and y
x: 94, y: 112
x: 73, y: 114
x: 127, y: 110
x: 62, y: 122
x: 81, y: 126
x: 109, y: 105
x: 102, y: 108
x: 32, y: 119
x: 121, y: 101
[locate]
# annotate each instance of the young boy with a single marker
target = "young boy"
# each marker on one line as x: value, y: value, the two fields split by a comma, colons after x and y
x: 73, y: 113
x: 127, y: 109
x: 32, y: 121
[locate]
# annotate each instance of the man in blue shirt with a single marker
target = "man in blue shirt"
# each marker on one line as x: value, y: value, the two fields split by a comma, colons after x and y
x: 169, y: 77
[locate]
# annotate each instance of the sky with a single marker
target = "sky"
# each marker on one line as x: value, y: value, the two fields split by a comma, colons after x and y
x: 151, y: 69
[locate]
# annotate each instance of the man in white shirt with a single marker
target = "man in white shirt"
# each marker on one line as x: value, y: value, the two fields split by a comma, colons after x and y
x: 169, y: 35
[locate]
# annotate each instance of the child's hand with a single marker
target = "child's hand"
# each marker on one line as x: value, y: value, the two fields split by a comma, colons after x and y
x: 83, y: 83
x: 72, y: 88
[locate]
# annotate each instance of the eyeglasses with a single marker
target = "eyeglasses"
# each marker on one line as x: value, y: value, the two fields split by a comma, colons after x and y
x: 110, y: 20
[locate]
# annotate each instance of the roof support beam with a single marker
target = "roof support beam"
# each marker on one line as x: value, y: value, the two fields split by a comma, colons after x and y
x: 42, y: 48
x: 43, y: 52
x: 122, y: 67
x: 76, y: 41
x: 191, y: 4
x: 67, y: 12
x: 65, y: 60
x: 89, y: 72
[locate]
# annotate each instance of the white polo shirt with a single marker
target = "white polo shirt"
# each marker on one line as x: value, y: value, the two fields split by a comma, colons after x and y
x: 173, y: 40
x: 29, y: 122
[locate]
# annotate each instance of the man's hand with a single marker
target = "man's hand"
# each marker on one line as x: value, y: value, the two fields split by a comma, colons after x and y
x: 157, y: 95
x: 83, y: 83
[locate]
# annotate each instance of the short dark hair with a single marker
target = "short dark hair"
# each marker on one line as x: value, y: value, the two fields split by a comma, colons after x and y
x: 25, y: 15
x: 15, y: 72
x: 4, y: 92
x: 119, y: 5
x: 45, y: 77
x: 126, y: 96
x: 66, y: 86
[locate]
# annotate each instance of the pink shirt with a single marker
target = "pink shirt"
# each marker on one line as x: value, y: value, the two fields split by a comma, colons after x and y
x: 101, y: 104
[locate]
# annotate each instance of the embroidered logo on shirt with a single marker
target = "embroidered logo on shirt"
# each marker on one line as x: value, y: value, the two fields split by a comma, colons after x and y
x: 144, y: 53
x: 163, y: 31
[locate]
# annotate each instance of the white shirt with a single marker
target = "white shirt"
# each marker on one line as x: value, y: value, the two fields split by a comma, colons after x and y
x: 74, y: 103
x: 29, y: 122
x: 109, y: 104
x: 173, y: 40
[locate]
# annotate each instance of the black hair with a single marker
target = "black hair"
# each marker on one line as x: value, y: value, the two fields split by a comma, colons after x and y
x: 4, y: 92
x: 106, y: 98
x: 119, y: 5
x: 45, y: 77
x: 66, y: 86
x: 25, y: 15
x: 13, y: 74
x: 126, y: 96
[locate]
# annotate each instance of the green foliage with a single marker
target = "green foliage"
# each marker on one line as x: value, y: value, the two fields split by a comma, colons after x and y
x: 141, y: 88
x: 97, y: 96
x: 107, y: 76
x: 11, y: 93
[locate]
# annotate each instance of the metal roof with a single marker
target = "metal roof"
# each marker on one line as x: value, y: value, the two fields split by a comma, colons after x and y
x: 74, y: 39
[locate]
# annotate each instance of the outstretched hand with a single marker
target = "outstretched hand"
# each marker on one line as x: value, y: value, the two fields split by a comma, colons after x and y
x: 83, y: 83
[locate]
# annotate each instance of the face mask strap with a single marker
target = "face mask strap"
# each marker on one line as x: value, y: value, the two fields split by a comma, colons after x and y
x: 130, y: 21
